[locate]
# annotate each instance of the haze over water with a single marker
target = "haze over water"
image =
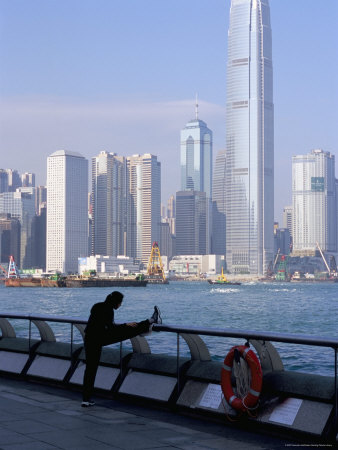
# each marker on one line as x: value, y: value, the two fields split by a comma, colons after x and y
x: 304, y: 308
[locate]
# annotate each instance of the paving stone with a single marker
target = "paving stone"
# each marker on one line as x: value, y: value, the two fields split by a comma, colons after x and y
x: 29, y: 446
x: 27, y: 426
x: 67, y: 440
x: 11, y: 437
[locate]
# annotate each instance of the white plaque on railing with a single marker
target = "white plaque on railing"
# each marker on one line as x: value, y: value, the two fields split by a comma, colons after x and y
x: 286, y: 412
x: 212, y: 397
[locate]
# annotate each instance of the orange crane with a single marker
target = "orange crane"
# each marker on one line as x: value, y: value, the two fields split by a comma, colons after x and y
x: 155, y: 269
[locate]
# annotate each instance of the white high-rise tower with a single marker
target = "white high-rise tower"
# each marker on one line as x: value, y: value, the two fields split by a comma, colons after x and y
x: 250, y: 139
x: 67, y: 211
x: 314, y: 202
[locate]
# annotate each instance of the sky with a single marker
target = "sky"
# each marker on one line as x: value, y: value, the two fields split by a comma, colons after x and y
x: 122, y: 75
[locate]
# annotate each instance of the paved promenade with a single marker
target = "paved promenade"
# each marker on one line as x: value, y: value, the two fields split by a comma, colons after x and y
x: 36, y: 417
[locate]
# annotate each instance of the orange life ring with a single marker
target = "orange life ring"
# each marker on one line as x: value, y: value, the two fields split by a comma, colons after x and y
x: 251, y: 398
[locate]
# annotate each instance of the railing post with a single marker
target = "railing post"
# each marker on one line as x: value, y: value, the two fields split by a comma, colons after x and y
x: 29, y: 336
x: 121, y: 360
x: 71, y: 341
x: 335, y: 391
x: 178, y: 363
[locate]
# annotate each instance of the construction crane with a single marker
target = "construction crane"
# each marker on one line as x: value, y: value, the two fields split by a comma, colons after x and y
x: 325, y: 262
x: 155, y: 271
x: 12, y: 269
x: 276, y: 259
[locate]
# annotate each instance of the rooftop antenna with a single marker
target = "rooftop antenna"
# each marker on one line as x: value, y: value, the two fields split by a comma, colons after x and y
x: 196, y: 108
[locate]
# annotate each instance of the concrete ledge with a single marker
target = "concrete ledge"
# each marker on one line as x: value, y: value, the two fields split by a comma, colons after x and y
x: 205, y: 370
x: 298, y: 384
x: 58, y: 349
x: 17, y: 344
x: 109, y: 356
x: 156, y: 363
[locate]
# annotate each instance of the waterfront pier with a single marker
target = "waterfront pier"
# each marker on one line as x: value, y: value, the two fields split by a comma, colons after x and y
x: 151, y: 400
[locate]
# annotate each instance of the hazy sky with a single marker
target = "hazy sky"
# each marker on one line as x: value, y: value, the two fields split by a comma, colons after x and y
x: 121, y: 76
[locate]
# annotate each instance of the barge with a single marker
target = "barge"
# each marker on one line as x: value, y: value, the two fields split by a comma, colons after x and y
x: 78, y: 282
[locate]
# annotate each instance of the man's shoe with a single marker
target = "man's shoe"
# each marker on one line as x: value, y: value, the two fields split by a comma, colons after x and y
x: 157, y: 315
x: 86, y: 404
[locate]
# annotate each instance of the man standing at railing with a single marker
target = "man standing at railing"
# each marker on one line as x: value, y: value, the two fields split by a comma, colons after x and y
x: 101, y: 330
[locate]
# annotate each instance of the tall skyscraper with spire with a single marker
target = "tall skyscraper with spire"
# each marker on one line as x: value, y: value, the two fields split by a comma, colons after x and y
x: 250, y: 139
x: 196, y: 156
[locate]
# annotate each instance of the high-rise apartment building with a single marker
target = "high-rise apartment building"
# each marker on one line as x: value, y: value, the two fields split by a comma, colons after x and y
x: 287, y: 218
x: 39, y: 227
x: 218, y: 238
x: 14, y: 180
x: 108, y: 204
x: 171, y: 214
x: 144, y: 205
x: 40, y: 198
x: 10, y: 230
x: 250, y: 139
x: 67, y: 211
x: 191, y: 223
x: 196, y: 156
x: 28, y: 179
x: 21, y: 205
x: 314, y: 202
x: 3, y: 181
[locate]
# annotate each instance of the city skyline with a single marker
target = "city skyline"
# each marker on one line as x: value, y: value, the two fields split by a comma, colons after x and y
x: 86, y: 86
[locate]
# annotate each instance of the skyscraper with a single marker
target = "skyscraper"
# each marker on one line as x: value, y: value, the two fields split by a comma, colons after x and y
x: 144, y: 205
x: 28, y: 179
x: 191, y: 220
x: 314, y: 202
x: 108, y: 204
x: 218, y: 205
x: 21, y: 205
x: 3, y: 181
x: 287, y: 218
x: 10, y: 229
x: 196, y: 156
x: 67, y: 211
x: 40, y: 198
x: 14, y: 180
x: 250, y: 135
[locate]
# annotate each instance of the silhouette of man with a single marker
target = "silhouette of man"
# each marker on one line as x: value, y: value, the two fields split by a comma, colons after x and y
x: 101, y: 330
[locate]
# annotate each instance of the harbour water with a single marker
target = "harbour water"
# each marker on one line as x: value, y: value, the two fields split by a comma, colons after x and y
x: 299, y: 308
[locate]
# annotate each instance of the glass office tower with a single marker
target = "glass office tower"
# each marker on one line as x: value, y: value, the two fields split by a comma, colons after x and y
x: 196, y: 156
x: 250, y: 136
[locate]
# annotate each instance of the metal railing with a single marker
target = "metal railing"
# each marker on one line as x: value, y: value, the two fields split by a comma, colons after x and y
x: 317, y: 341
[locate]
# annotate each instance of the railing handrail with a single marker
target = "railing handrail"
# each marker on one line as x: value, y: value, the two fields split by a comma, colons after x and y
x: 318, y: 341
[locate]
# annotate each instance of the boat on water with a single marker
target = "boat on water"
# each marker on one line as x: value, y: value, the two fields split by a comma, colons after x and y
x: 23, y: 282
x: 222, y: 279
x: 78, y: 282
